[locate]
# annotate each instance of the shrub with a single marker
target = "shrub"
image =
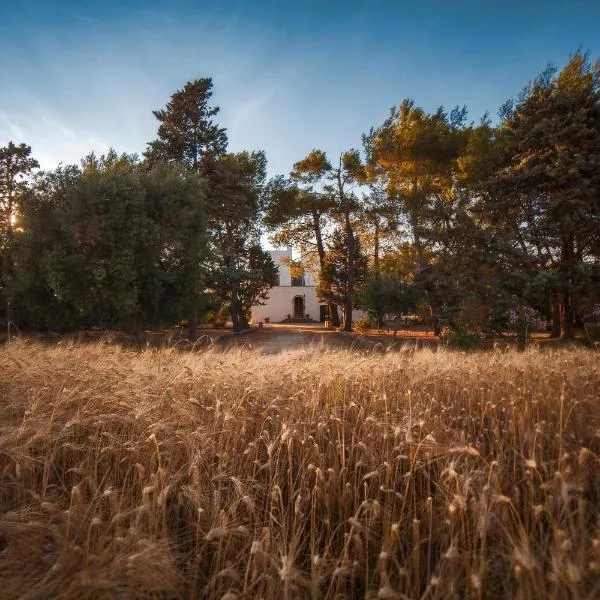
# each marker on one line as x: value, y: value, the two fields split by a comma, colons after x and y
x: 363, y: 324
x: 461, y: 338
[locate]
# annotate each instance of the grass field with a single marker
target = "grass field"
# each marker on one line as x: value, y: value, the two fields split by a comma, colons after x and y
x: 310, y: 474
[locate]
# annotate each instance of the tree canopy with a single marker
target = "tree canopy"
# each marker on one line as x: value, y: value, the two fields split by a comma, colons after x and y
x: 465, y: 223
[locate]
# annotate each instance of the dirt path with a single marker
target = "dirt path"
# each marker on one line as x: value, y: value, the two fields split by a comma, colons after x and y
x: 276, y: 338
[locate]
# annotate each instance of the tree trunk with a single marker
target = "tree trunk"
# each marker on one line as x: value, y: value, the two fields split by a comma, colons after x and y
x: 348, y: 300
x: 567, y: 331
x: 331, y: 306
x: 376, y: 247
x: 350, y: 283
x: 348, y: 313
x: 556, y: 314
x: 414, y: 225
x: 194, y: 323
x: 567, y: 260
x: 319, y: 237
x: 349, y: 253
x: 235, y: 307
x: 334, y: 315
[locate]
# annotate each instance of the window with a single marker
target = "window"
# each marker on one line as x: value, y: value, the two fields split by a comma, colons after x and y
x: 297, y: 273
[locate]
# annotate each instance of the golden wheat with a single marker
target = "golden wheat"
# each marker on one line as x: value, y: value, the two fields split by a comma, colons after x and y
x: 311, y: 474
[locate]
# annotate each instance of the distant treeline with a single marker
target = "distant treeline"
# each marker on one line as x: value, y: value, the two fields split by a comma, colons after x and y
x: 479, y: 226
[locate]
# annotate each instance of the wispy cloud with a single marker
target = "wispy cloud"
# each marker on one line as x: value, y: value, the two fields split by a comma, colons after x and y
x: 287, y: 77
x: 52, y: 140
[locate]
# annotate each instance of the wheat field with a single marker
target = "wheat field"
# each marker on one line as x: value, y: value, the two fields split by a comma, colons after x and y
x: 310, y: 474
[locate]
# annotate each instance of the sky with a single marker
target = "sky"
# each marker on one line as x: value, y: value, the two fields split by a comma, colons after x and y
x: 84, y: 75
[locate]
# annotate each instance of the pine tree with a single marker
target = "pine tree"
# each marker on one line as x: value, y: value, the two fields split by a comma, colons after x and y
x: 344, y: 271
x: 336, y: 183
x: 299, y: 216
x: 548, y: 187
x: 187, y: 133
x: 188, y: 136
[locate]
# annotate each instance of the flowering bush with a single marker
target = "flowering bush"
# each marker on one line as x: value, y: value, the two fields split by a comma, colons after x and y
x: 525, y: 318
x: 593, y: 316
x: 592, y: 324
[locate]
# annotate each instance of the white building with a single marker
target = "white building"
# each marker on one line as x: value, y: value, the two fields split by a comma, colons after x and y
x: 295, y: 298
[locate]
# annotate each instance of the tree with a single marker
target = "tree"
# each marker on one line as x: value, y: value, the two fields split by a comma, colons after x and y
x: 343, y: 273
x: 546, y: 190
x: 113, y: 243
x: 417, y: 152
x: 387, y: 294
x: 104, y: 230
x: 177, y: 260
x: 261, y: 275
x: 417, y: 155
x: 299, y: 216
x: 336, y: 185
x: 235, y: 206
x: 40, y: 233
x: 187, y: 134
x: 16, y: 164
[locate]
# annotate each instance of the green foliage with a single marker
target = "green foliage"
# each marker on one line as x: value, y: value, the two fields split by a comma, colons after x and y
x: 342, y: 257
x: 461, y: 338
x: 187, y: 134
x: 112, y: 244
x: 311, y: 168
x: 457, y: 220
x: 385, y: 295
x: 16, y: 164
x: 175, y: 267
x: 240, y: 271
x: 546, y: 193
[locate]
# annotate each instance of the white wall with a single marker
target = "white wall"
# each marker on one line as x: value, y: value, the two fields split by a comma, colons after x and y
x: 280, y: 304
x: 280, y: 257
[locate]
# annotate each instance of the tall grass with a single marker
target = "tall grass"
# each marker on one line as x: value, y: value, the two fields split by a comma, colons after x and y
x: 312, y: 474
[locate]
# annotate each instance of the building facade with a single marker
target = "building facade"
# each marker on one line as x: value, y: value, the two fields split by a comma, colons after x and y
x: 294, y: 299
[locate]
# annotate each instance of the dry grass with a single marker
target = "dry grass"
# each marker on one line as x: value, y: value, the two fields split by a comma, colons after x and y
x: 312, y: 474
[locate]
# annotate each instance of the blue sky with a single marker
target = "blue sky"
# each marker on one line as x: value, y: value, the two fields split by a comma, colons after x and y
x: 84, y: 75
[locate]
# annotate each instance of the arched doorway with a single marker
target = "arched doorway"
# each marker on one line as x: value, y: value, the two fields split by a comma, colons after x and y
x: 298, y: 307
